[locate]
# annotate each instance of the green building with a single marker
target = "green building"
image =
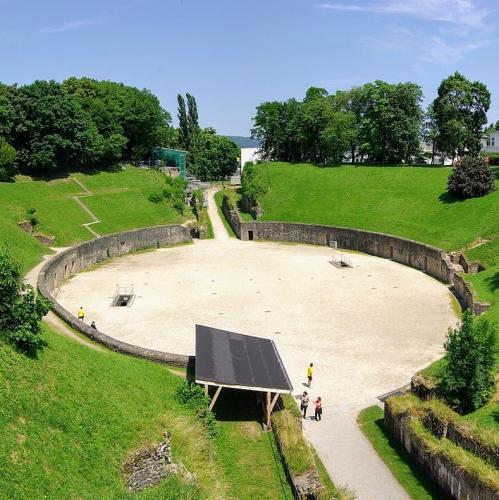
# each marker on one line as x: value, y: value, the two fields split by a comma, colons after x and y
x: 171, y: 158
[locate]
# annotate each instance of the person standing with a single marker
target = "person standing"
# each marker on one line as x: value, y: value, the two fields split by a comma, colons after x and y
x: 318, y: 409
x: 81, y: 314
x: 304, y: 403
x: 310, y: 372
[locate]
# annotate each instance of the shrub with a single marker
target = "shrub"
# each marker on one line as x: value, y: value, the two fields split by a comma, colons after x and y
x: 467, y: 381
x: 7, y: 160
x: 471, y: 178
x: 155, y: 197
x: 194, y: 398
x: 21, y: 309
x: 254, y: 184
x: 32, y: 217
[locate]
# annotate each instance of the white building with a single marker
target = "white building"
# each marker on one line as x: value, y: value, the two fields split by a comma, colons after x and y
x: 250, y: 154
x: 490, y: 142
x: 249, y: 149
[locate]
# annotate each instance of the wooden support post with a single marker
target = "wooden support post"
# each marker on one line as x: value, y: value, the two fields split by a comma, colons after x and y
x: 270, y: 408
x: 215, y: 397
x: 206, y: 389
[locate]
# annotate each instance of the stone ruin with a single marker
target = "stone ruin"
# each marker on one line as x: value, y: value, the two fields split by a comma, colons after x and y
x: 148, y: 466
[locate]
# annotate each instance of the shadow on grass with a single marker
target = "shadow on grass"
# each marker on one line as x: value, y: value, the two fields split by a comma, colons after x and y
x: 448, y: 198
x: 235, y: 405
x: 404, y: 456
x: 65, y: 173
x: 493, y: 282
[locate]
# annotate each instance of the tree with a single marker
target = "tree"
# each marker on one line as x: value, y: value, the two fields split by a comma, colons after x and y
x: 269, y: 130
x: 7, y: 160
x: 460, y: 112
x: 467, y: 381
x: 21, y: 309
x: 217, y: 156
x: 471, y: 178
x: 194, y: 132
x: 183, y: 126
x: 391, y: 120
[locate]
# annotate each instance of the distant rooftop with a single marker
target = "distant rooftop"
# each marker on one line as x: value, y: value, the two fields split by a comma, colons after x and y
x: 244, y: 142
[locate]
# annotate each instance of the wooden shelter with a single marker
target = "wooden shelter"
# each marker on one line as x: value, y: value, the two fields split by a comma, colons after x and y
x: 236, y: 361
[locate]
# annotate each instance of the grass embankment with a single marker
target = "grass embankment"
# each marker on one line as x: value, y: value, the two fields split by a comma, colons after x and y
x: 119, y: 201
x: 299, y: 455
x: 417, y: 485
x: 400, y: 462
x: 69, y: 418
x: 245, y: 216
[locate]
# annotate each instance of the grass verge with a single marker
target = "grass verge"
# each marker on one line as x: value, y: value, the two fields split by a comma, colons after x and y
x: 396, y: 458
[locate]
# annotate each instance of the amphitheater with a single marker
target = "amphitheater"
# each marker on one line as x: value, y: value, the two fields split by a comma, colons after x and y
x: 367, y: 327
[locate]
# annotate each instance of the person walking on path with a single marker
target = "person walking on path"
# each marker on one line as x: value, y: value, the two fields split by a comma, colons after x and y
x: 310, y: 372
x: 318, y: 409
x: 304, y: 403
x: 81, y: 314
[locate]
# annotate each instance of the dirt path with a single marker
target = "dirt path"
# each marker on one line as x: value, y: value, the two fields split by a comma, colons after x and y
x: 51, y: 319
x: 219, y: 230
x: 78, y: 200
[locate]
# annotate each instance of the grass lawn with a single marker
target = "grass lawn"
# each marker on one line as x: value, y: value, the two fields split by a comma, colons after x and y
x: 410, y: 202
x: 120, y: 202
x: 395, y: 456
x: 69, y: 418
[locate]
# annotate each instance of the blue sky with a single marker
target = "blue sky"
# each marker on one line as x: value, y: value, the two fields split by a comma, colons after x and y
x: 234, y: 54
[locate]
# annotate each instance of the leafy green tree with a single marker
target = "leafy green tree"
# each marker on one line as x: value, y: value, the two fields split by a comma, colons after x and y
x: 7, y: 160
x: 21, y: 309
x: 217, y: 156
x: 460, y: 112
x: 8, y: 111
x: 270, y: 130
x: 254, y: 184
x: 471, y: 178
x: 467, y: 381
x: 183, y: 125
x: 391, y: 121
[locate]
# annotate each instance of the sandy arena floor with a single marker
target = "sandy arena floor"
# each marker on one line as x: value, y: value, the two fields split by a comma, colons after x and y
x: 367, y: 328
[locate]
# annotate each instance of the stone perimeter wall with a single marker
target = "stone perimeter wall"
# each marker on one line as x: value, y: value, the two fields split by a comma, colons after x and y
x: 87, y: 254
x: 426, y: 258
x: 455, y: 481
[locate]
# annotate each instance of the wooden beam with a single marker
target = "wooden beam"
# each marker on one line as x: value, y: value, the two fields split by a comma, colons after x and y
x: 215, y: 397
x: 271, y: 407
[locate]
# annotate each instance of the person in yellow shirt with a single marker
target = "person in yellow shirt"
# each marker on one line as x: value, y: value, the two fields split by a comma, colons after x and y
x: 81, y: 314
x: 310, y: 372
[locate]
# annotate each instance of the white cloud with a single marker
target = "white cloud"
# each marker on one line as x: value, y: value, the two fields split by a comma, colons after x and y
x: 464, y: 12
x: 421, y: 47
x: 73, y: 25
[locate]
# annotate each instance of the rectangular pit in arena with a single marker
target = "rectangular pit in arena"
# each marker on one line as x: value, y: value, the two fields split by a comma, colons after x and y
x: 123, y: 297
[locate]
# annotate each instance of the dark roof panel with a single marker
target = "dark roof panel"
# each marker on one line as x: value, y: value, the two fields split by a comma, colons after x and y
x: 229, y: 358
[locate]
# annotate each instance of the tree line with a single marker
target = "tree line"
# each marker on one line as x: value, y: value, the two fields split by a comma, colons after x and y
x: 211, y: 156
x: 47, y: 126
x: 377, y: 122
x: 80, y: 123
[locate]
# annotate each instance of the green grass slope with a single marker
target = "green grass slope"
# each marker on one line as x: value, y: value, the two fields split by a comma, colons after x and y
x: 409, y: 202
x: 119, y: 201
x: 69, y: 418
